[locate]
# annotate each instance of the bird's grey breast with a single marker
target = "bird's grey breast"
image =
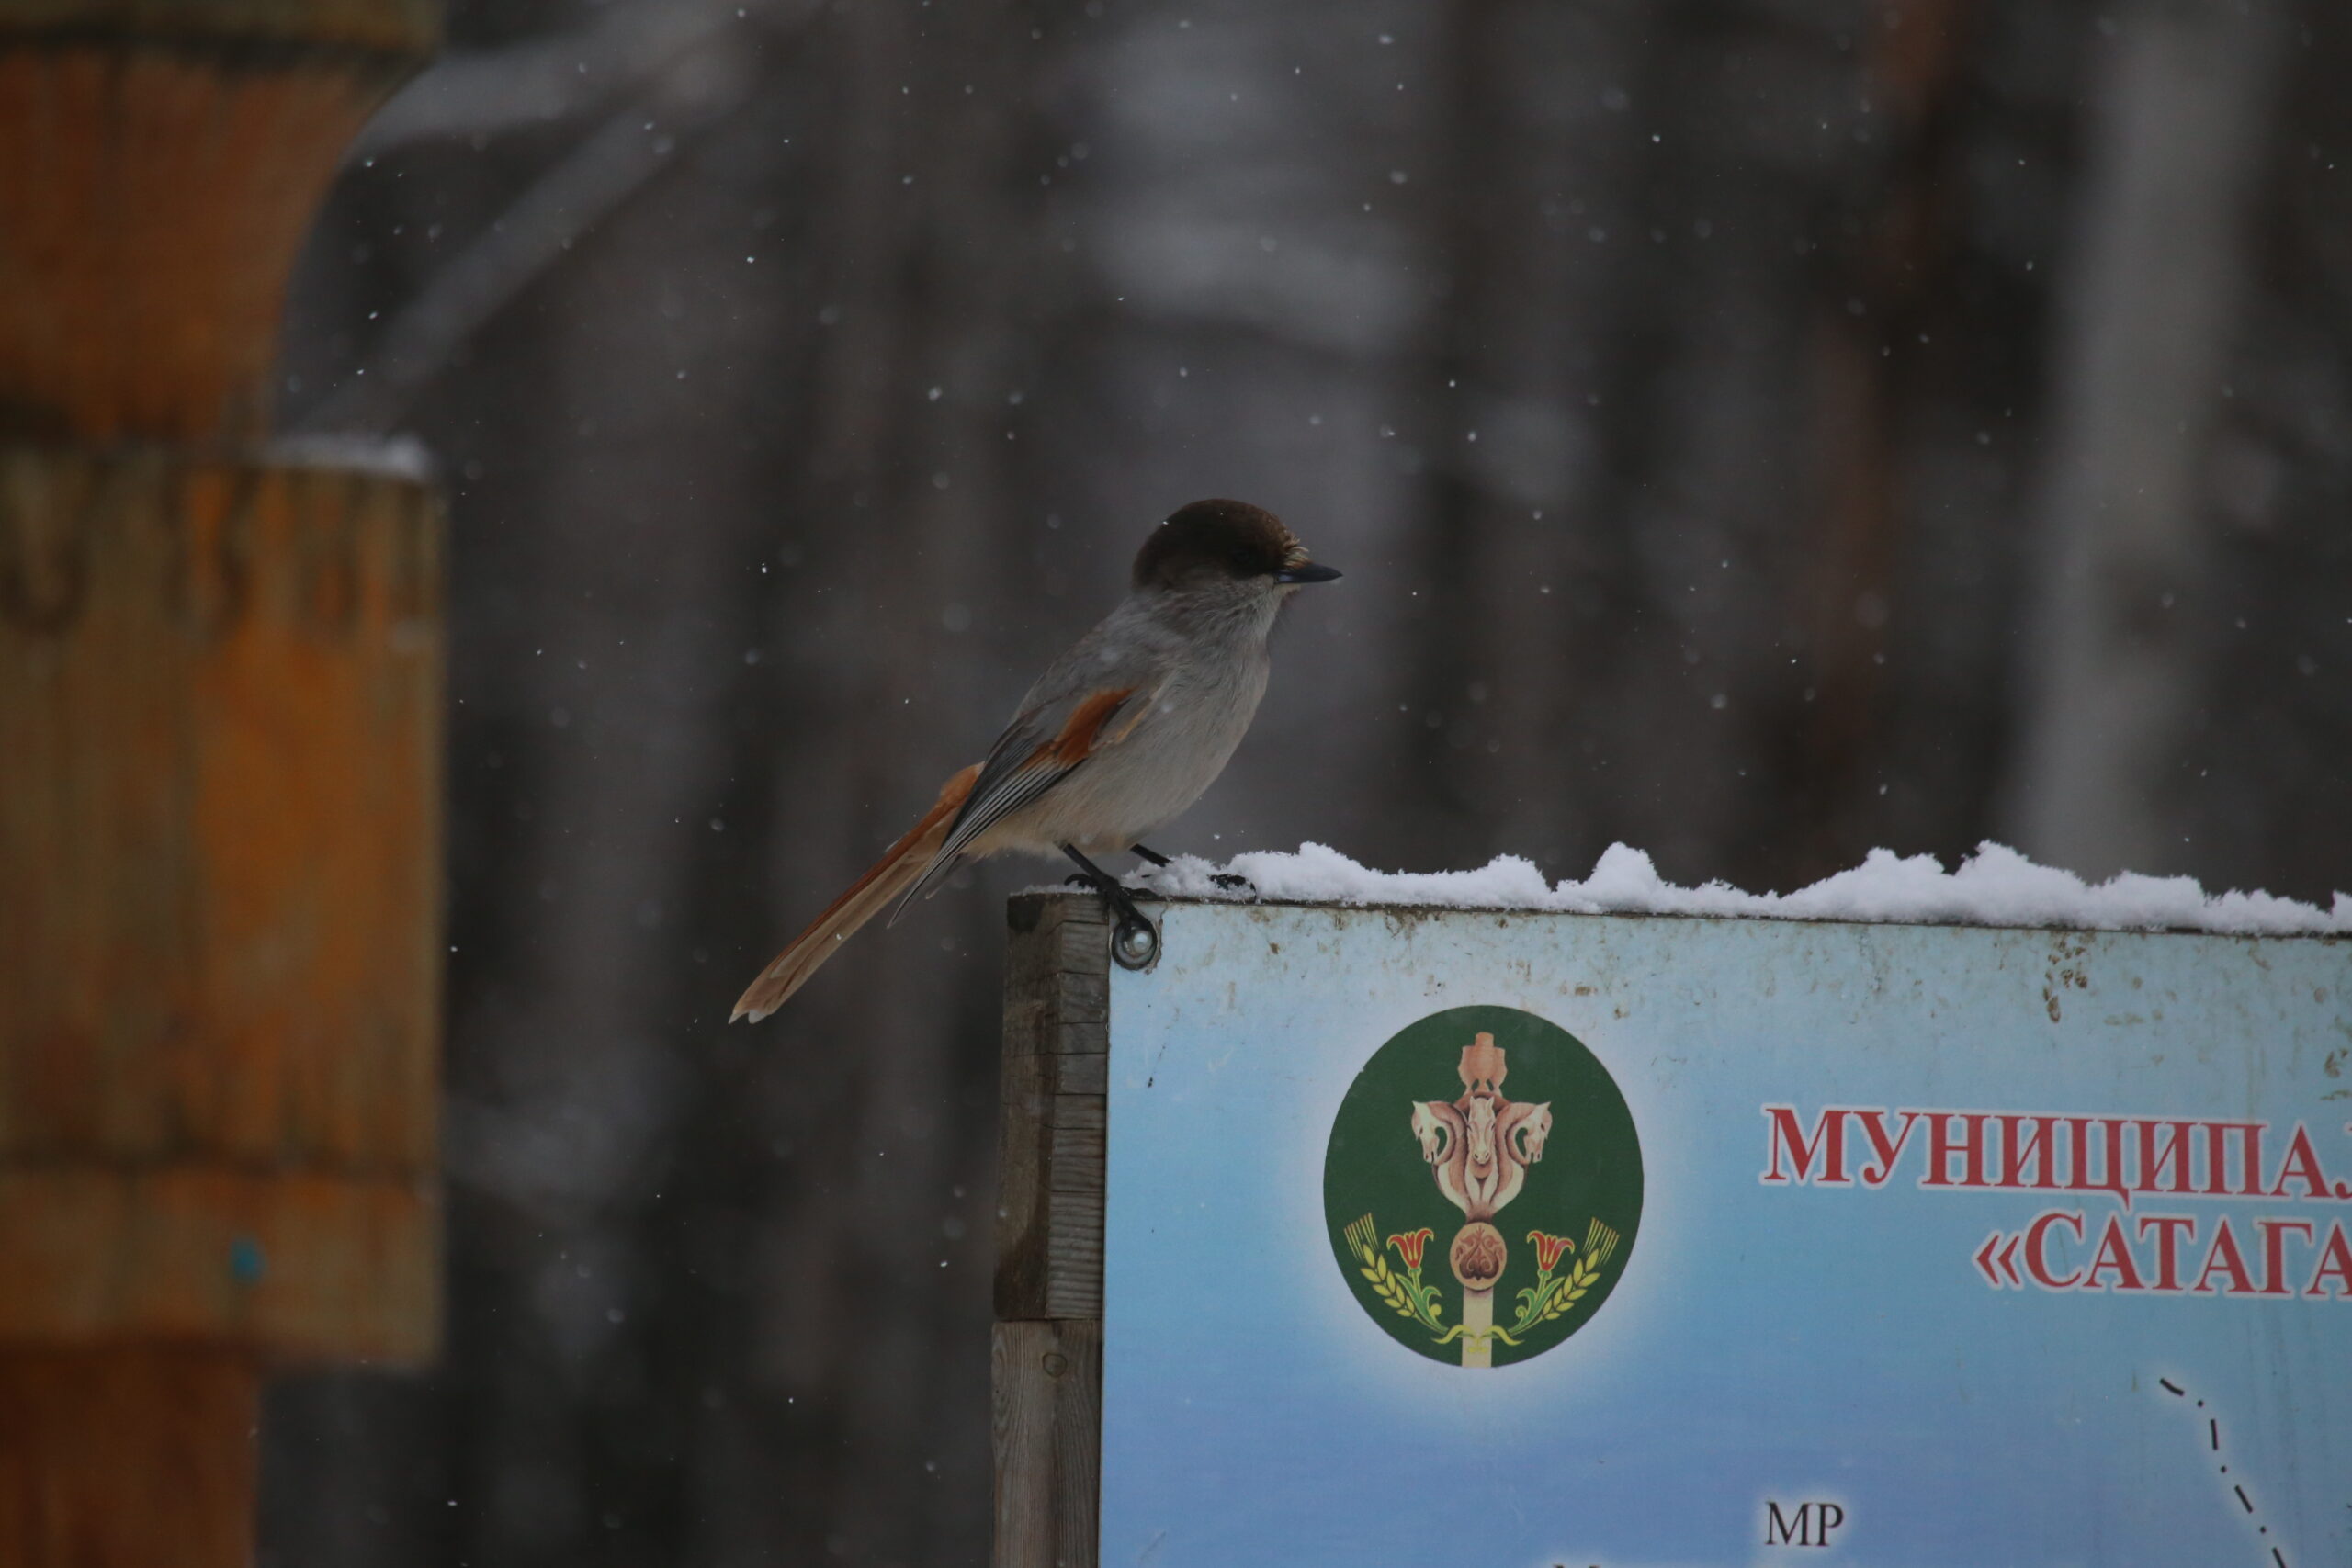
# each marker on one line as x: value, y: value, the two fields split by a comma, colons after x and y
x: 1203, y: 681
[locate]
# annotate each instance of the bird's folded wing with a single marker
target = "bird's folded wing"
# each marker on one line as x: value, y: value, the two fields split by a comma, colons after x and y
x: 1042, y: 747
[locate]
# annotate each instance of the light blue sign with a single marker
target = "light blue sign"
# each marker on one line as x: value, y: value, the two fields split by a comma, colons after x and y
x: 1915, y: 1246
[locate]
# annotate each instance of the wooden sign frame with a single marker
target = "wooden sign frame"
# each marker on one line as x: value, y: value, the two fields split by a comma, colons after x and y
x: 1045, y: 1354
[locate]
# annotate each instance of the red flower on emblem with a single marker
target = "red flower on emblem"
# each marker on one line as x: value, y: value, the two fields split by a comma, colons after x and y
x: 1408, y: 1245
x: 1548, y: 1249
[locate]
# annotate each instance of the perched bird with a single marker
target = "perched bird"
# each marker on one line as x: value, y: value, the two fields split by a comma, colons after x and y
x: 1118, y: 735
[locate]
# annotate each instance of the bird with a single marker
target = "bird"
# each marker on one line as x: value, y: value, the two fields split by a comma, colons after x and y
x: 1119, y: 736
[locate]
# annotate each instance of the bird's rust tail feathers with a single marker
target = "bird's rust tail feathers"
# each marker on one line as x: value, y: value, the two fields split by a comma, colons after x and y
x: 866, y: 897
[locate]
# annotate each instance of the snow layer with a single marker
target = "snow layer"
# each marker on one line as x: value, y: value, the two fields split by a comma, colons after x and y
x: 1996, y: 886
x: 391, y: 457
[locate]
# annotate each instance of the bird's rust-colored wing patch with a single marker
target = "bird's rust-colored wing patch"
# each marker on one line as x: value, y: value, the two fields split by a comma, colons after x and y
x: 1076, y: 742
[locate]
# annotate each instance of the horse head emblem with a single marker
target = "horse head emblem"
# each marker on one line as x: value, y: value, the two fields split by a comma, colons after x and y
x: 1438, y: 1128
x: 1525, y: 1127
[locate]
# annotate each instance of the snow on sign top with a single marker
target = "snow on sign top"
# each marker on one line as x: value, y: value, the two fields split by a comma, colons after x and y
x: 1996, y: 886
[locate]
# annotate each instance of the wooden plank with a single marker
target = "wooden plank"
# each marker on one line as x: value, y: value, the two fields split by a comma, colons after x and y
x: 220, y: 769
x: 1048, y: 1439
x: 1074, y: 1255
x: 1085, y: 1074
x: 1047, y: 1356
x: 127, y: 1458
x: 221, y: 696
x: 1075, y: 1157
x: 1050, y: 1250
x: 1022, y: 1215
x: 304, y: 1267
x: 1086, y: 997
x: 220, y: 954
x: 160, y: 168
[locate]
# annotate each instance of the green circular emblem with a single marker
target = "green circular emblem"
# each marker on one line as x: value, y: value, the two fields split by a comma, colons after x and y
x: 1483, y: 1186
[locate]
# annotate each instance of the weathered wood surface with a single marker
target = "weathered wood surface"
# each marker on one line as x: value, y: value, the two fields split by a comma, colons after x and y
x: 220, y: 710
x: 288, y: 1262
x: 1048, y: 1428
x: 160, y: 165
x: 1056, y: 1039
x: 220, y: 783
x: 126, y: 1457
x: 1047, y: 1359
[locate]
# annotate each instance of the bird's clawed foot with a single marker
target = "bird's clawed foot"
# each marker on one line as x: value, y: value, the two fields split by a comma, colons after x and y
x: 1135, y: 940
x: 1230, y: 881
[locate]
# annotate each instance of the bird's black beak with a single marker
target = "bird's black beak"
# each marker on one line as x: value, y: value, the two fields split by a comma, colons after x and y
x: 1306, y: 573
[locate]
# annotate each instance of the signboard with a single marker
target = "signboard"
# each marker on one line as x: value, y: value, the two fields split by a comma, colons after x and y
x: 1509, y: 1240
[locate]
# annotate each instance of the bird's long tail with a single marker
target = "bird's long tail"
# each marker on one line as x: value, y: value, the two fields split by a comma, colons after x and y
x: 866, y: 897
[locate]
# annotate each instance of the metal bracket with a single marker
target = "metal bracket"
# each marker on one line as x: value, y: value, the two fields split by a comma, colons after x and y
x: 1135, y: 942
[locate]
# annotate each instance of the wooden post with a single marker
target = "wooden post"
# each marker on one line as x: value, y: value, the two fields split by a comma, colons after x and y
x: 1047, y: 1358
x: 220, y: 782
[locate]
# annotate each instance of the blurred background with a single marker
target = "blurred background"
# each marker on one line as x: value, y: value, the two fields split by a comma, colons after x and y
x: 1755, y: 430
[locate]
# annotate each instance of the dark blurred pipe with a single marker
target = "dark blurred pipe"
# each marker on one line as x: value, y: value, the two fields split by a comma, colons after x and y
x: 2111, y: 673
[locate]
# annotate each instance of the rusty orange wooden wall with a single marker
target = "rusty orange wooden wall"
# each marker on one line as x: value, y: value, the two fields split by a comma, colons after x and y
x: 219, y: 784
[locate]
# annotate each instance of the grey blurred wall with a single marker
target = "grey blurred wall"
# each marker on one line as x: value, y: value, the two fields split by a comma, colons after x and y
x: 1757, y: 430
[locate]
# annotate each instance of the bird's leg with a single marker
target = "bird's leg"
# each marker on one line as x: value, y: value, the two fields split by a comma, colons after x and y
x: 1146, y: 852
x: 1114, y: 897
x: 1135, y: 940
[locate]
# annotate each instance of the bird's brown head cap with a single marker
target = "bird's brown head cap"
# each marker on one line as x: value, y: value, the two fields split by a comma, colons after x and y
x: 1230, y: 539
